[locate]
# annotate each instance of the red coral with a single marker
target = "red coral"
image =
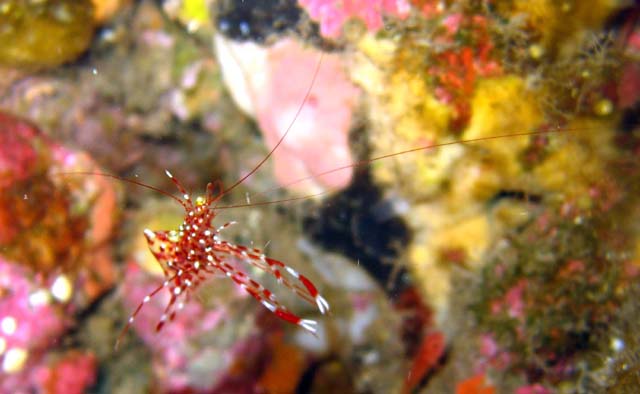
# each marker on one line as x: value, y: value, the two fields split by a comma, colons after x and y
x: 457, y: 69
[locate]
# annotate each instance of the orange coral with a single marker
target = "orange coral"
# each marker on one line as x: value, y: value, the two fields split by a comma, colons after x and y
x: 475, y: 385
x: 285, y: 369
x: 431, y: 350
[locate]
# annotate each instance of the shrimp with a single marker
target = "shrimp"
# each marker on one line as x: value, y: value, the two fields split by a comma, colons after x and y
x: 196, y: 250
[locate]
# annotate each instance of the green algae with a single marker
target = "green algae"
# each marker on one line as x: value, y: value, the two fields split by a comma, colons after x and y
x: 558, y: 294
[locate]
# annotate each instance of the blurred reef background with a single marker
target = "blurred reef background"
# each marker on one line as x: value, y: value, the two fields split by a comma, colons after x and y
x: 506, y: 263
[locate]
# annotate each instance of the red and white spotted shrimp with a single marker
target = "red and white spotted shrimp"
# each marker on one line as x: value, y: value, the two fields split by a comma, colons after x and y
x: 196, y: 250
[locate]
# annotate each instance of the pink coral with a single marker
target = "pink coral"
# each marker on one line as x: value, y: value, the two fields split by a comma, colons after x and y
x: 513, y: 302
x: 332, y: 14
x: 533, y: 389
x: 72, y: 374
x: 318, y: 140
x: 270, y: 84
x: 37, y: 322
x: 29, y: 324
x: 207, y: 347
x: 492, y: 354
x: 188, y: 355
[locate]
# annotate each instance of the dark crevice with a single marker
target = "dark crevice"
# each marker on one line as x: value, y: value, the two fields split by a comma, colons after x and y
x: 360, y: 224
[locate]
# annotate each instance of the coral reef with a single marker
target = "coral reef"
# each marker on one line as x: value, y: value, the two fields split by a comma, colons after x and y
x: 507, y: 262
x: 559, y: 289
x: 480, y: 77
x: 120, y: 118
x: 536, y: 306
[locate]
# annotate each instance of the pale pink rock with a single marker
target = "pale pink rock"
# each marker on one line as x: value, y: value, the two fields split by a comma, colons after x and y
x: 270, y: 83
x: 318, y: 138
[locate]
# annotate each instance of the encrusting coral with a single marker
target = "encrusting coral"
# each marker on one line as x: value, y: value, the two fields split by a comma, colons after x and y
x: 471, y: 81
x: 54, y: 257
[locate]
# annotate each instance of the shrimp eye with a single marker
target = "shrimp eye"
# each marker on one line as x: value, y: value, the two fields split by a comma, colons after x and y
x: 200, y: 201
x: 174, y: 236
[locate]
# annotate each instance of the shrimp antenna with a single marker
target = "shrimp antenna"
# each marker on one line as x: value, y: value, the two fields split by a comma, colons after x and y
x: 263, y: 203
x: 134, y: 182
x: 361, y: 163
x: 289, y: 127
